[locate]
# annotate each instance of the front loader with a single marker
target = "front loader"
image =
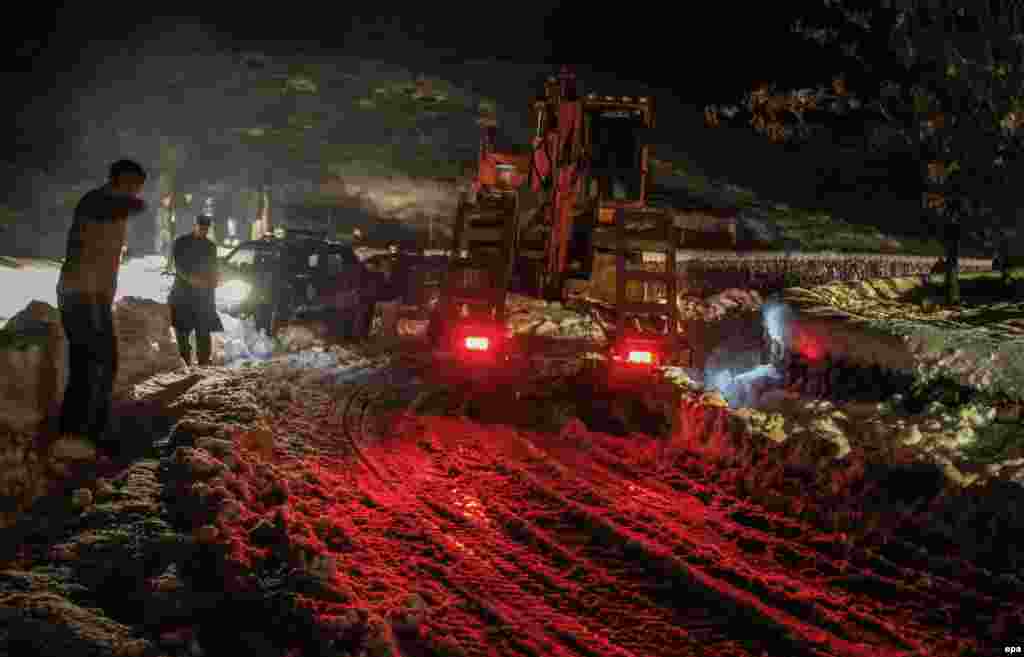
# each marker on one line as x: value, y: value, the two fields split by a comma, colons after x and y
x: 534, y: 221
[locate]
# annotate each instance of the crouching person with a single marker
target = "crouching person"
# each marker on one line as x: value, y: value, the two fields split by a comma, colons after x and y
x: 193, y: 295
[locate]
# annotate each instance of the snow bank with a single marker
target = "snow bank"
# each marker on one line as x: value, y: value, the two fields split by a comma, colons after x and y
x: 33, y: 374
x: 857, y: 467
x: 869, y: 324
x: 240, y: 342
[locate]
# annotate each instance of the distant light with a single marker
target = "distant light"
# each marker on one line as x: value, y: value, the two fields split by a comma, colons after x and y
x: 642, y: 99
x: 475, y: 343
x: 627, y: 99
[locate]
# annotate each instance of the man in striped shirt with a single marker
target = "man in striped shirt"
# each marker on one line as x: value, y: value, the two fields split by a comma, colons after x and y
x: 85, y: 295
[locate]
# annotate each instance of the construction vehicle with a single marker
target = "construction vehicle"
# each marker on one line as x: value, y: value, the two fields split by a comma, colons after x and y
x: 535, y: 221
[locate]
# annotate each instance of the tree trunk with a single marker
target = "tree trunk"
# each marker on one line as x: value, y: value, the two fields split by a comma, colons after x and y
x: 165, y: 228
x: 172, y: 158
x: 268, y: 204
x: 952, y: 241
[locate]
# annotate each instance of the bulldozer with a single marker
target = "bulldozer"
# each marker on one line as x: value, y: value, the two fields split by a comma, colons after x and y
x: 535, y: 219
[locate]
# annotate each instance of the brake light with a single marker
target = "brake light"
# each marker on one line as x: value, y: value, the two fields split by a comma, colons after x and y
x: 642, y: 357
x: 475, y: 343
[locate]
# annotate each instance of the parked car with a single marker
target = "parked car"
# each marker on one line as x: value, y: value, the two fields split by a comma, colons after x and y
x: 301, y: 275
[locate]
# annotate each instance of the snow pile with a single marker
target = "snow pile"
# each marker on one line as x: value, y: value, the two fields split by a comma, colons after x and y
x: 32, y: 368
x: 34, y: 372
x: 743, y: 388
x: 721, y: 304
x: 970, y: 357
x: 298, y: 378
x: 337, y: 365
x: 949, y: 438
x: 240, y: 343
x: 146, y: 344
x: 873, y: 323
x: 528, y: 316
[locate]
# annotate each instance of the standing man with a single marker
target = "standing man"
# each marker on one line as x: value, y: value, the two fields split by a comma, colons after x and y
x: 85, y: 296
x: 192, y: 300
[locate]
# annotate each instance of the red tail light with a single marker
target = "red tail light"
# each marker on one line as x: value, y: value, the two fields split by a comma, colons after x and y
x: 640, y: 357
x: 477, y: 343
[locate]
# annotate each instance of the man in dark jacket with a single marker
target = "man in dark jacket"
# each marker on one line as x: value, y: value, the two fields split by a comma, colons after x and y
x: 85, y: 296
x: 192, y: 300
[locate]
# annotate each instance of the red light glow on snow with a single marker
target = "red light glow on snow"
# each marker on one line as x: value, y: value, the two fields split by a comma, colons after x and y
x: 811, y: 347
x: 495, y: 526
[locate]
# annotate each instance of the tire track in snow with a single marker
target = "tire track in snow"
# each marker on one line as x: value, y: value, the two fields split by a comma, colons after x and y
x: 893, y: 601
x: 579, y: 565
x: 545, y: 477
x: 639, y: 604
x: 510, y: 588
x: 904, y: 580
x: 703, y: 539
x: 480, y: 580
x: 582, y: 604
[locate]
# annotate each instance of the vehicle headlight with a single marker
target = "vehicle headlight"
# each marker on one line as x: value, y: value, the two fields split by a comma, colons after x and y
x: 234, y: 292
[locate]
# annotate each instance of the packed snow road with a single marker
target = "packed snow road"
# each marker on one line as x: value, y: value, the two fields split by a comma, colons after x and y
x: 459, y: 538
x: 481, y: 539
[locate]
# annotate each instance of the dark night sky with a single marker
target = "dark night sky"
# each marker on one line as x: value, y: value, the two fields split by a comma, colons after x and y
x: 710, y: 55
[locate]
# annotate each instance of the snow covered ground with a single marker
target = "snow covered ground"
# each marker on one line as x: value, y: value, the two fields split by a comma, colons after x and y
x: 477, y: 538
x: 139, y: 278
